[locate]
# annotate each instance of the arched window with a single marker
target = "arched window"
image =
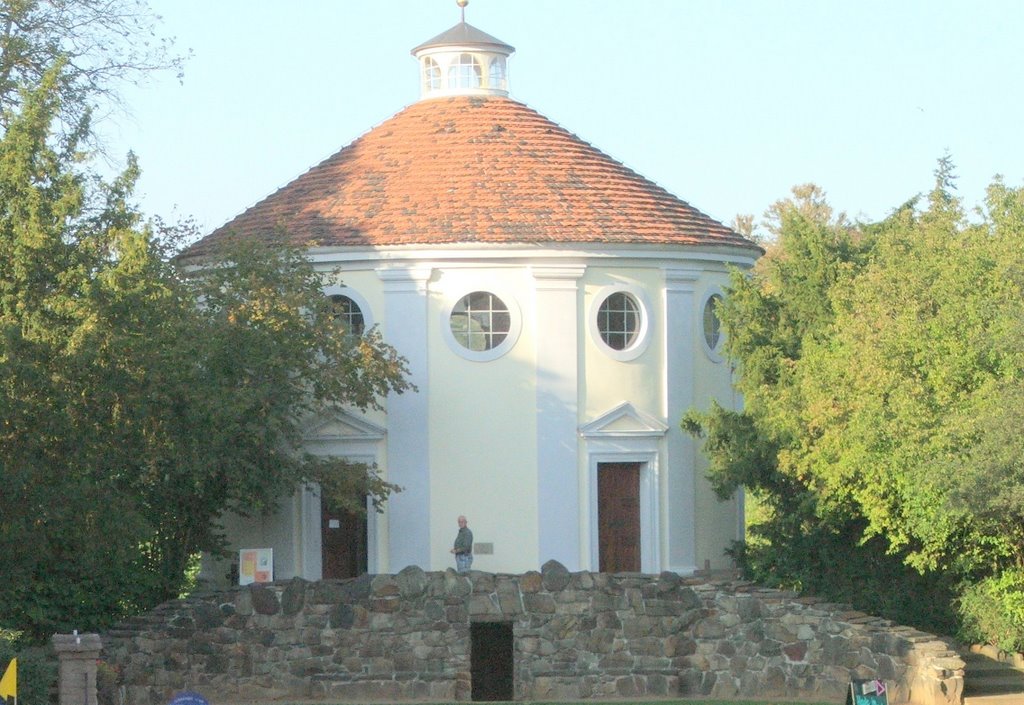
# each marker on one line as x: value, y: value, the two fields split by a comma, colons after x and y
x: 464, y: 72
x: 431, y: 75
x: 618, y: 320
x: 496, y: 74
x: 480, y: 321
x: 347, y: 313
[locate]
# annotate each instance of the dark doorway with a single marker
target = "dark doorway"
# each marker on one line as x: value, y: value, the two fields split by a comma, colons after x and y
x: 491, y: 661
x: 343, y: 535
x: 618, y: 517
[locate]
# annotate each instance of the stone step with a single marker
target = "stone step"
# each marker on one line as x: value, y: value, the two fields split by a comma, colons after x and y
x: 991, y: 680
x: 120, y: 633
x: 981, y: 663
x: 992, y: 668
x: 1009, y: 699
x: 991, y: 652
x: 994, y: 674
x: 993, y: 685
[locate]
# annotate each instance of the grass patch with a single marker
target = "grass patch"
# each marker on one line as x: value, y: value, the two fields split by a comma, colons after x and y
x: 689, y: 701
x: 651, y: 701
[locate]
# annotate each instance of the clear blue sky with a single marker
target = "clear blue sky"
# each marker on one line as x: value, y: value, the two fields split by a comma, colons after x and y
x: 725, y: 103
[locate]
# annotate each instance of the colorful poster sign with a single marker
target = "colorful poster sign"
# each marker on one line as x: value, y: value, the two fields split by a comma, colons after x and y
x: 255, y: 565
x: 867, y: 692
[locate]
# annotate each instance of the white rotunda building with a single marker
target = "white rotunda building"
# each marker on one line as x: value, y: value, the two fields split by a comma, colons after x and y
x: 557, y: 313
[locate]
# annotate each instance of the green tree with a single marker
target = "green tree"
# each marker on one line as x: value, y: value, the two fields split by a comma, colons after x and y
x: 923, y: 348
x: 102, y: 43
x: 842, y: 336
x: 140, y: 396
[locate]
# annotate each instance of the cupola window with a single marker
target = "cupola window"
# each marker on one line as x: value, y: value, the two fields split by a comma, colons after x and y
x: 496, y: 73
x: 431, y: 75
x: 480, y: 321
x: 464, y: 72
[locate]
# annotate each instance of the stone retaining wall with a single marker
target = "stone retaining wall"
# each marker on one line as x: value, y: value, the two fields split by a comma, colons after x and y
x: 575, y: 636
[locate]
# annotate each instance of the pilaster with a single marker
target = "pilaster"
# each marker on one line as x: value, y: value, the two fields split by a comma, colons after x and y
x: 680, y: 482
x: 408, y: 438
x: 558, y: 327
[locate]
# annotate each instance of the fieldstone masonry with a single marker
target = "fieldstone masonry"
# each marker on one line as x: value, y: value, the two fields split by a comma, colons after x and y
x: 575, y: 636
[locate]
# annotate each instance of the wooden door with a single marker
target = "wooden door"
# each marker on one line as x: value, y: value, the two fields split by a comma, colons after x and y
x: 343, y: 536
x: 618, y: 517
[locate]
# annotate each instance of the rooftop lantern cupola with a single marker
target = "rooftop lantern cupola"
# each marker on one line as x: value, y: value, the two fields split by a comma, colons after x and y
x: 463, y: 61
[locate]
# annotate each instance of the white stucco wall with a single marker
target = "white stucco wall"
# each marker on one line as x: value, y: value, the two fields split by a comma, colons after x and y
x: 474, y: 439
x: 280, y: 531
x: 483, y: 430
x: 607, y: 381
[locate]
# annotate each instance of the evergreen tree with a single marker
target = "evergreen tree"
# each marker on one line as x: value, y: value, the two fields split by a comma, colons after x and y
x: 879, y: 365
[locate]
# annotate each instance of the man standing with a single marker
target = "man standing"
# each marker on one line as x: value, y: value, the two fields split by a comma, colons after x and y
x: 463, y: 548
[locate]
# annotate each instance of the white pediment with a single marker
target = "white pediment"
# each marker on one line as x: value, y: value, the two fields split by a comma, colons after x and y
x: 340, y: 425
x: 624, y: 421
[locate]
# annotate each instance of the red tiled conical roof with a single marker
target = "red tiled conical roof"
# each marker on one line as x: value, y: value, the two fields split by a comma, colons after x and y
x: 471, y: 169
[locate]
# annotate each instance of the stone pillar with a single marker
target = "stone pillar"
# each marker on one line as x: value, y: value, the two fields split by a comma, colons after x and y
x: 77, y: 654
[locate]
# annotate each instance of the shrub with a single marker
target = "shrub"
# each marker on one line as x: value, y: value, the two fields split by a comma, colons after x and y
x: 108, y: 683
x: 37, y: 667
x: 992, y: 611
x: 834, y: 563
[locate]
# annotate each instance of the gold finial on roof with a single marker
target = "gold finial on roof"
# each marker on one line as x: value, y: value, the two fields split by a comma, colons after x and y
x: 462, y: 6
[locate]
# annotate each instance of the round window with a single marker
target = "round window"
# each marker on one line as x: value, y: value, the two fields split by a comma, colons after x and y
x: 347, y: 313
x: 618, y: 320
x: 712, y: 323
x: 480, y: 321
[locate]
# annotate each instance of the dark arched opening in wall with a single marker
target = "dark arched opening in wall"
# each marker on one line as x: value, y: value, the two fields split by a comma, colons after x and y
x: 491, y: 661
